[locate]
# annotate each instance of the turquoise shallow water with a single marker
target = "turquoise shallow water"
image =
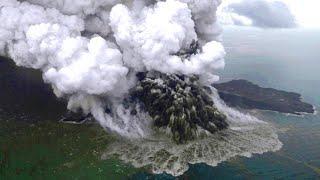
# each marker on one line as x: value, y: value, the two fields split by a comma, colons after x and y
x: 282, y: 59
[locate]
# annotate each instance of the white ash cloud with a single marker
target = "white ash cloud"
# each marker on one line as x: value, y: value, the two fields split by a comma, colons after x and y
x: 90, y: 51
x: 260, y: 13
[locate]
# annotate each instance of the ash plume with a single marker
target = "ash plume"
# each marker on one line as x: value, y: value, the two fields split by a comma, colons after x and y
x: 90, y: 50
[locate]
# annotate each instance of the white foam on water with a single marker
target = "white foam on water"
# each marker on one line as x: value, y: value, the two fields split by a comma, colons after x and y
x: 246, y: 135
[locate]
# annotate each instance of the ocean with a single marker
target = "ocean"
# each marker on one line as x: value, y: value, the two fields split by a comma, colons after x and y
x: 286, y: 59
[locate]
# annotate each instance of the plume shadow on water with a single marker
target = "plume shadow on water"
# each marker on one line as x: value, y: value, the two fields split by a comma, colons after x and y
x: 24, y: 94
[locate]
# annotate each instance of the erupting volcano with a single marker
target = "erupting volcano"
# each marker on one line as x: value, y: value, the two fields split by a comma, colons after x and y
x: 143, y: 69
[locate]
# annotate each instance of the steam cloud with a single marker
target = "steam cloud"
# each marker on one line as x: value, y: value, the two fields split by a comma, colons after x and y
x: 90, y: 50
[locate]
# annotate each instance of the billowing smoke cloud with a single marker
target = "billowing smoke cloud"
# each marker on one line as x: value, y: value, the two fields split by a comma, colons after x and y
x: 90, y: 50
x: 261, y: 13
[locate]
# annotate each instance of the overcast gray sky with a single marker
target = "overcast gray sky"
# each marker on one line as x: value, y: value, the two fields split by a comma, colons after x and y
x: 271, y: 13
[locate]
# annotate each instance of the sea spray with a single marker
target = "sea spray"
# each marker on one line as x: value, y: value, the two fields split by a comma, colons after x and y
x: 247, y: 135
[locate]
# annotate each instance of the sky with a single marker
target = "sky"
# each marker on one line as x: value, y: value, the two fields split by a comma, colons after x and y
x: 306, y: 12
x: 254, y: 12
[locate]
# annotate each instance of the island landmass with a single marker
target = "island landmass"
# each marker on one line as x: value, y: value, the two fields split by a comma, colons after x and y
x: 244, y: 94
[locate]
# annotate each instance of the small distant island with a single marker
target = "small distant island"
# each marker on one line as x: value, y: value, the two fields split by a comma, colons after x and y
x: 244, y: 94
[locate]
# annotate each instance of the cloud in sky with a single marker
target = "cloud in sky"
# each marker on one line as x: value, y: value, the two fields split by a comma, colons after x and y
x: 261, y: 13
x: 306, y: 12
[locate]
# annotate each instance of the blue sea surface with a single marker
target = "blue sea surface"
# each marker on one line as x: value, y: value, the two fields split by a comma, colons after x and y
x: 282, y: 59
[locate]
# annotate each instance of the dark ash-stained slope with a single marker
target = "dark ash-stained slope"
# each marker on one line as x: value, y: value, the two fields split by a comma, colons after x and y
x: 179, y: 103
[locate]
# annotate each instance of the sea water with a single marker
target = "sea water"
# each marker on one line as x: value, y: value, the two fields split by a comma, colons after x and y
x: 286, y: 59
x: 281, y: 59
